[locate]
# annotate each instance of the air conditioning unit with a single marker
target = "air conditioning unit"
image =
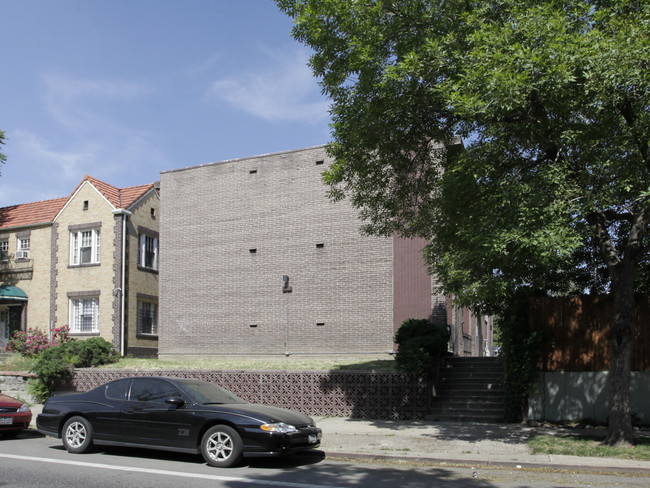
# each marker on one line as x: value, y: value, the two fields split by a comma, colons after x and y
x: 22, y: 254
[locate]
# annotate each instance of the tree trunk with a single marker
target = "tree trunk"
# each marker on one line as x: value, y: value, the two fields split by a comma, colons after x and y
x: 620, y: 431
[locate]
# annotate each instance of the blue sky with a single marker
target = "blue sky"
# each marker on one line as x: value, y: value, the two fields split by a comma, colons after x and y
x: 124, y: 89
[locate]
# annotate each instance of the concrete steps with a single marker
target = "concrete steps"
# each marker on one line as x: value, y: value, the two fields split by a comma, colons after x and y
x: 470, y: 389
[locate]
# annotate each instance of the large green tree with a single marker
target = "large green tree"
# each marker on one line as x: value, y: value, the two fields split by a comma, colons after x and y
x: 552, y: 101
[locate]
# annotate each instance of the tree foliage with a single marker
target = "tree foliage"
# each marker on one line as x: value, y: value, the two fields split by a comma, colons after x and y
x: 552, y: 100
x: 3, y: 158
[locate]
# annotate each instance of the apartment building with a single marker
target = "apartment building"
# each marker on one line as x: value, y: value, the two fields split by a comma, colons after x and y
x: 89, y: 261
x: 258, y: 260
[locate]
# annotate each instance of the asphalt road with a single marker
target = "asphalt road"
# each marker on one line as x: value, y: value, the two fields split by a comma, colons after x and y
x: 32, y: 460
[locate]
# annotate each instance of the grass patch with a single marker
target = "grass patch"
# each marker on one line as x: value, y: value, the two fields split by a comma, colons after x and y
x: 578, y: 445
x: 253, y: 363
x: 15, y: 362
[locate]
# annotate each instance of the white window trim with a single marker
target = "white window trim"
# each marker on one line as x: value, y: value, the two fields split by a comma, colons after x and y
x: 75, y: 304
x: 23, y: 247
x: 142, y: 249
x: 76, y: 237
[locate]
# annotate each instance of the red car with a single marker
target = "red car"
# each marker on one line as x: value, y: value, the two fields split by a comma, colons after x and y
x: 14, y: 416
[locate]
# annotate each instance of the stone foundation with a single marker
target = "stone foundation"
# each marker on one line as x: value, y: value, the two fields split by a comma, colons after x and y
x: 15, y: 384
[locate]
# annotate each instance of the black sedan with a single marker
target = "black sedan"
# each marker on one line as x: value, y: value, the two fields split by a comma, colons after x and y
x: 175, y: 414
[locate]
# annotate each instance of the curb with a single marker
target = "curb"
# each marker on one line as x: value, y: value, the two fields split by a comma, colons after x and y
x: 476, y: 463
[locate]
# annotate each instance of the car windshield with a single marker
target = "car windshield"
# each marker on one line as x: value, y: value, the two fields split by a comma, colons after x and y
x: 204, y: 392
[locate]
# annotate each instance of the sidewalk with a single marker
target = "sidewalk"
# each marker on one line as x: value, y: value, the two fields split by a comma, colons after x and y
x: 448, y: 443
x: 454, y: 443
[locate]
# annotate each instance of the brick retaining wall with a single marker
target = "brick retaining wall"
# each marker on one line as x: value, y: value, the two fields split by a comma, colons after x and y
x: 354, y: 394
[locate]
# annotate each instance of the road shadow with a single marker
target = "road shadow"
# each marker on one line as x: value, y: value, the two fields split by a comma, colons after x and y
x: 280, y: 462
x: 23, y: 434
x: 364, y: 474
x: 450, y: 431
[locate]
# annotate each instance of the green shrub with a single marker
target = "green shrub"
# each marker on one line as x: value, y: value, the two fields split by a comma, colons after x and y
x: 421, y: 345
x: 520, y: 348
x: 56, y: 364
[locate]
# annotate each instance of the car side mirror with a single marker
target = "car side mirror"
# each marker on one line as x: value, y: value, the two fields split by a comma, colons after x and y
x: 176, y: 401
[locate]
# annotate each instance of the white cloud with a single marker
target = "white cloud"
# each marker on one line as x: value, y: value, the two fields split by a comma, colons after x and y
x: 37, y: 171
x: 69, y: 88
x: 93, y: 134
x: 286, y: 90
x: 66, y: 164
x: 68, y: 99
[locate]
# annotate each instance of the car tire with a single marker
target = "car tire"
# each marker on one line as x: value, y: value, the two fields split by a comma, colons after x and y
x: 221, y: 446
x: 77, y: 435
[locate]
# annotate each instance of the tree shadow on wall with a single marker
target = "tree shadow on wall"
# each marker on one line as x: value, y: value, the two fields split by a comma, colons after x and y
x: 374, y: 390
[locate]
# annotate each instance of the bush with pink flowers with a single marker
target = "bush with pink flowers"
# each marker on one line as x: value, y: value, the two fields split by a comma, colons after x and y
x: 34, y: 341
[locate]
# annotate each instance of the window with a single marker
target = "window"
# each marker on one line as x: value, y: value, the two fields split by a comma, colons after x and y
x: 147, y: 318
x: 152, y: 390
x: 84, y: 247
x: 4, y: 251
x: 84, y: 315
x: 23, y: 248
x: 148, y: 255
x: 116, y: 390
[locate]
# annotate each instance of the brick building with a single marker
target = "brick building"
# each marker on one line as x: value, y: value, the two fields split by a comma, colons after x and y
x: 88, y: 260
x: 233, y: 231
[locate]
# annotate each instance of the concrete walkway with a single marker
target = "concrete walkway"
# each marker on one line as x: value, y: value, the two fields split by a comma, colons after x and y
x: 451, y: 443
x: 457, y: 443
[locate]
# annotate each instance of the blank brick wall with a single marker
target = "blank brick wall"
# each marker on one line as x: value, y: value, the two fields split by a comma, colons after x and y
x: 213, y: 288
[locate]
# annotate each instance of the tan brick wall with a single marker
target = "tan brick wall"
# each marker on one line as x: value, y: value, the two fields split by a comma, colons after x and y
x: 213, y: 288
x: 86, y: 278
x: 32, y: 276
x: 140, y: 281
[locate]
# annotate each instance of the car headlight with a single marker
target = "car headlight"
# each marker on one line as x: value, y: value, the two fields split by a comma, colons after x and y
x: 280, y: 428
x: 24, y: 408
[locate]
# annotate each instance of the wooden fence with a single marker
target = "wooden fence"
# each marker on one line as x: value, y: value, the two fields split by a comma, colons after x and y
x: 575, y: 333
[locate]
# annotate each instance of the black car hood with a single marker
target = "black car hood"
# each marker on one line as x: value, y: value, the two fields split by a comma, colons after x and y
x: 263, y: 413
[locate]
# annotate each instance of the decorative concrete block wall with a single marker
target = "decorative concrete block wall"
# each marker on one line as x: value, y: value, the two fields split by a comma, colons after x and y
x: 343, y: 394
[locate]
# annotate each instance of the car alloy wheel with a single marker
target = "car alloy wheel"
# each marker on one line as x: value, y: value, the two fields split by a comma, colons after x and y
x: 77, y: 435
x: 221, y: 446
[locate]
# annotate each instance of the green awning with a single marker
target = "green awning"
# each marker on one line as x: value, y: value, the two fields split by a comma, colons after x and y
x: 8, y: 292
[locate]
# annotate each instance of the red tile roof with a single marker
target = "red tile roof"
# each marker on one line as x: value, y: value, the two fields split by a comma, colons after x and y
x: 45, y: 211
x: 31, y: 213
x: 119, y: 197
